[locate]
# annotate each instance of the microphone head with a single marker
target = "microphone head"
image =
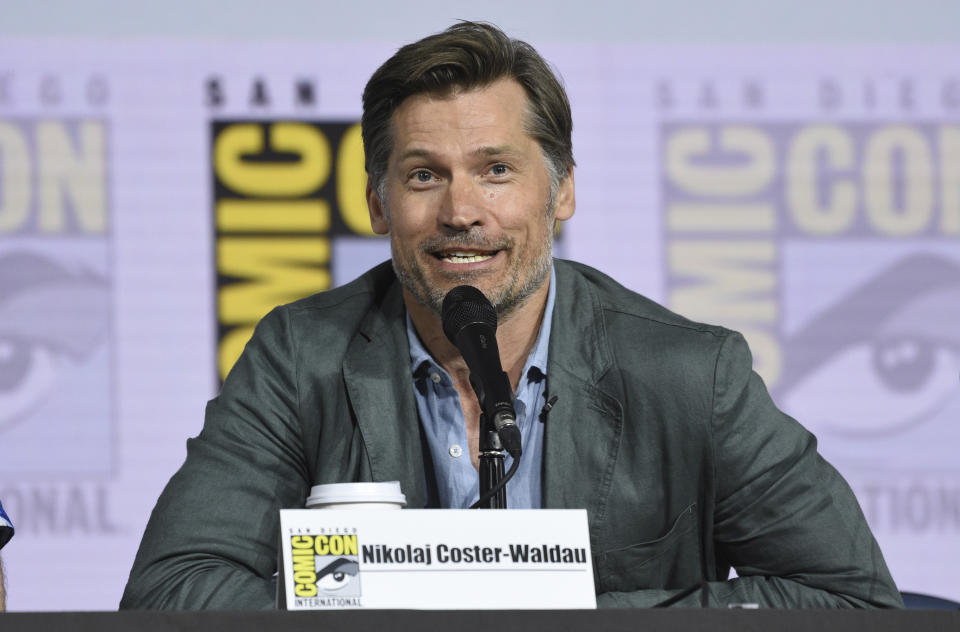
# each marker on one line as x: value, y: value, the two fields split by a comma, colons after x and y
x: 466, y: 305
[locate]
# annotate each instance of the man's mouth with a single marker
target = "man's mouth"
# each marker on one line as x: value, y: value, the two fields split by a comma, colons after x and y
x: 465, y: 256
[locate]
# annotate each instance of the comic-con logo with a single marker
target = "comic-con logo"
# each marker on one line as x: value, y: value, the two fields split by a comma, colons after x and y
x: 325, y: 565
x: 832, y: 247
x: 290, y: 213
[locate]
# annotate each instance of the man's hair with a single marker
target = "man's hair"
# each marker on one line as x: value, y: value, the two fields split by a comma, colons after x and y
x: 467, y: 55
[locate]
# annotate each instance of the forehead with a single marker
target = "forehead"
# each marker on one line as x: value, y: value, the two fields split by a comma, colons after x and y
x: 488, y: 114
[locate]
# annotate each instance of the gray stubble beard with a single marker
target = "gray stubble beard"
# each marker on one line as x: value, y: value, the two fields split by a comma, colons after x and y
x: 506, y: 302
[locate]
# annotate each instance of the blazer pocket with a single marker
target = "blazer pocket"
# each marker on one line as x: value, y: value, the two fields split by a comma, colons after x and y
x: 670, y: 561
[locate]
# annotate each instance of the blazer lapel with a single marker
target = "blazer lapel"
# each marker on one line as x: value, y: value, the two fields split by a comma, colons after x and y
x: 582, y: 434
x: 376, y: 373
x: 583, y: 429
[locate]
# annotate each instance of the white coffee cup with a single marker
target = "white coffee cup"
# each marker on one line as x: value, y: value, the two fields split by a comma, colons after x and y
x: 386, y: 495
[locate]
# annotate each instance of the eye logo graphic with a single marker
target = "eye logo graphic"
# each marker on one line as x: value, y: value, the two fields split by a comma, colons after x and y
x: 894, y: 338
x: 53, y: 321
x: 325, y: 565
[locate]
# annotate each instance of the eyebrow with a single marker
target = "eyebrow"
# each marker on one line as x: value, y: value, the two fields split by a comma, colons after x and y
x: 486, y: 150
x: 413, y: 153
x: 498, y: 150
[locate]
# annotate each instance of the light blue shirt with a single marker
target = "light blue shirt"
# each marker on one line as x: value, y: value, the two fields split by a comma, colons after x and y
x: 457, y: 482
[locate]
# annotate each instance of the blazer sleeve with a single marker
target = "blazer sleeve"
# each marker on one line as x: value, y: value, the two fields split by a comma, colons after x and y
x: 784, y: 517
x: 211, y: 541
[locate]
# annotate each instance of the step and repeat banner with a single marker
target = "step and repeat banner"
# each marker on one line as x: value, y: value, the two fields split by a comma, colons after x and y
x: 157, y: 198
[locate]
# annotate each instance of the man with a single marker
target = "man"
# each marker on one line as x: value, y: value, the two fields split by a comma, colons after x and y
x: 6, y: 532
x: 658, y: 427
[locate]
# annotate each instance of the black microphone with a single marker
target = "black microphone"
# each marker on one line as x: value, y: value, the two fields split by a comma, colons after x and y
x: 470, y: 323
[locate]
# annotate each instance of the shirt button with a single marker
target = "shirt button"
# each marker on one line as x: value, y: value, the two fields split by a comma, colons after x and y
x: 436, y: 377
x: 455, y: 451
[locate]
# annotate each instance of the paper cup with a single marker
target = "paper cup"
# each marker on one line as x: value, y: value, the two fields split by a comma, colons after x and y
x: 385, y: 495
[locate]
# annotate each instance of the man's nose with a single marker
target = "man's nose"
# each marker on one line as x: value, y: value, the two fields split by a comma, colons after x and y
x: 464, y: 205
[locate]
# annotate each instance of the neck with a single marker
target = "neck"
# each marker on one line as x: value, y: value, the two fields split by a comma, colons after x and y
x: 516, y: 335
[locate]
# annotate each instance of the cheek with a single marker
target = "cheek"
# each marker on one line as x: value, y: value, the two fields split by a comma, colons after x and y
x: 406, y: 237
x: 407, y: 233
x: 413, y: 219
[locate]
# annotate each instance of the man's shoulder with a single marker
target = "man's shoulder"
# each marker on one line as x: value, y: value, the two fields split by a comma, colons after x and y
x: 621, y: 303
x: 325, y: 323
x: 366, y: 291
x: 606, y: 332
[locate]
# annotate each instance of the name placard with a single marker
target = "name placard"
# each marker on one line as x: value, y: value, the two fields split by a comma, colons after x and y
x: 435, y: 559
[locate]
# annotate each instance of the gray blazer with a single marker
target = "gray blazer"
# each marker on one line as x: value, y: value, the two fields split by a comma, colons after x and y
x: 662, y: 432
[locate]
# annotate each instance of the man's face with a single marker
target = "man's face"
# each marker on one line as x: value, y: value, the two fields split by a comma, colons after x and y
x: 467, y: 196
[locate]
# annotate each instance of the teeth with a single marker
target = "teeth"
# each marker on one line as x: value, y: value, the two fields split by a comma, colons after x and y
x: 464, y: 257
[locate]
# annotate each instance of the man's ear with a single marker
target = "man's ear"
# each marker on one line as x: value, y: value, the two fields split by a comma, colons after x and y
x: 566, y: 198
x: 378, y: 216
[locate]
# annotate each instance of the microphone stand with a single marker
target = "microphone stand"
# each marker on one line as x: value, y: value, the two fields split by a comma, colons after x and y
x: 491, y: 465
x: 493, y: 480
x: 470, y: 324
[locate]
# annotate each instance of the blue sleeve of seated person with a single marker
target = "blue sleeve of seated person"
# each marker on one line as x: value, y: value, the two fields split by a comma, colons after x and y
x: 6, y: 527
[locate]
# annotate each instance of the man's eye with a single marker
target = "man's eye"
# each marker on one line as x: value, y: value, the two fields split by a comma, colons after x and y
x: 423, y: 176
x: 499, y: 170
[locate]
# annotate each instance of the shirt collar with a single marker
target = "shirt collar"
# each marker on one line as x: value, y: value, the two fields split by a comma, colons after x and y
x: 420, y: 358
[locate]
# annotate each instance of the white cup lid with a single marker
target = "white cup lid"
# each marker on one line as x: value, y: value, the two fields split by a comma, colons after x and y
x: 332, y: 493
